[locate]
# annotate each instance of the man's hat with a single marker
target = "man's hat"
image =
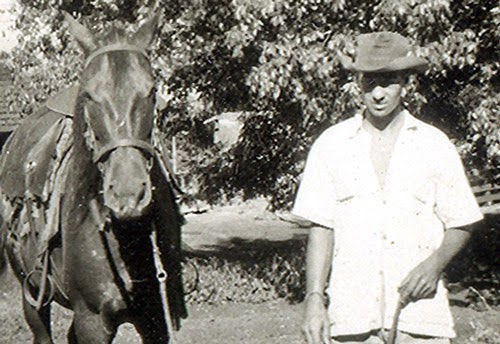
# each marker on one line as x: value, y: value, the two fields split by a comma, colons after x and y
x: 383, y: 52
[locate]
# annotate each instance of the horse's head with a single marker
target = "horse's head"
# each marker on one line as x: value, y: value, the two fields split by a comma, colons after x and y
x: 116, y: 103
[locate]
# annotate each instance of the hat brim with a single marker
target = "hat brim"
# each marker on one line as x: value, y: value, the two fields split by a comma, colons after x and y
x: 410, y: 63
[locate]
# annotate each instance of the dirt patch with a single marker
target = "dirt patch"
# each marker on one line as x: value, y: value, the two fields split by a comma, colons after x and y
x: 219, y: 228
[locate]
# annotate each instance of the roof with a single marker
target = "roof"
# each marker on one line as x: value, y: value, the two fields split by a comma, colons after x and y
x: 8, y: 118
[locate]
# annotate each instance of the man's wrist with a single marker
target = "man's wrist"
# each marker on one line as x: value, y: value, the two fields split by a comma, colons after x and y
x: 315, y: 294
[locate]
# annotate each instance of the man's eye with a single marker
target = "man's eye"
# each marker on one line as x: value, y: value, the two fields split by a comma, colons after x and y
x: 371, y: 83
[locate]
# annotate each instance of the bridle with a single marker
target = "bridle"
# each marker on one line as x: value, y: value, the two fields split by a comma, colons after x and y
x: 148, y: 148
x: 114, y: 47
x: 142, y: 145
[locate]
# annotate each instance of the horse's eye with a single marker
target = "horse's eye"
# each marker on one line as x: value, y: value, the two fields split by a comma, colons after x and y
x: 87, y: 98
x: 152, y: 93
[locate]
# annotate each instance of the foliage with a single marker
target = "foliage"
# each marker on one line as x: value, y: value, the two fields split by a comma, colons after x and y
x: 477, y: 269
x: 293, y: 86
x: 276, y: 62
x: 483, y: 334
x: 254, y: 274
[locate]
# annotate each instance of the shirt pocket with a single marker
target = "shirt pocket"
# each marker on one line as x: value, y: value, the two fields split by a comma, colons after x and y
x: 356, y: 207
x: 351, y: 184
x: 424, y: 195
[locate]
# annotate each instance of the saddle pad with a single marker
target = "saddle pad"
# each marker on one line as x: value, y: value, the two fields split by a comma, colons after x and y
x: 64, y: 102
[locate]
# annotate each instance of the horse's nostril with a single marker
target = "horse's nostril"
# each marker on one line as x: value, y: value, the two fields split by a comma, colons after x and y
x: 142, y: 194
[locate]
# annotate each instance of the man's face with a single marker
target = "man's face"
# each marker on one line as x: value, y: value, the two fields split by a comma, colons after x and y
x: 382, y: 92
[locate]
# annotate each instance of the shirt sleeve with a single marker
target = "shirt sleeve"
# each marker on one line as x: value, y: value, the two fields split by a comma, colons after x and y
x: 315, y: 199
x: 456, y: 204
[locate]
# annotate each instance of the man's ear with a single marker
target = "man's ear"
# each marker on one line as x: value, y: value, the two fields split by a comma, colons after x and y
x: 404, y: 91
x: 80, y: 33
x: 359, y: 80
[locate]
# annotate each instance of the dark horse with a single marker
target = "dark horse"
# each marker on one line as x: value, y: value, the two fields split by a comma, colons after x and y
x: 117, y: 226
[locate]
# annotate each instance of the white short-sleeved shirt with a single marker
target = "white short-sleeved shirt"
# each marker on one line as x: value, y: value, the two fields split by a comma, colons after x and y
x: 382, y: 234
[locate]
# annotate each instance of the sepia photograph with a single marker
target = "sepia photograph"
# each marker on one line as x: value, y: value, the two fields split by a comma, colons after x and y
x: 249, y: 172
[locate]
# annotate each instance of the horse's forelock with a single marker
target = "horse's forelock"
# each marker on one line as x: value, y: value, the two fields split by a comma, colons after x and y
x: 114, y: 35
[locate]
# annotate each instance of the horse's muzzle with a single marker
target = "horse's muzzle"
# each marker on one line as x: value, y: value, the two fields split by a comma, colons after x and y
x: 127, y: 187
x: 128, y: 204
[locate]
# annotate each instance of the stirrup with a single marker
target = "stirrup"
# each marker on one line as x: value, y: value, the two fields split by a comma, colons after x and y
x: 38, y: 303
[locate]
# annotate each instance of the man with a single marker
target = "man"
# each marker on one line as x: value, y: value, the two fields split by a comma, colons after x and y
x: 391, y: 206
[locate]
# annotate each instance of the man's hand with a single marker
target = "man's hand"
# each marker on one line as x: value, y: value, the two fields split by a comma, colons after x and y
x: 421, y: 282
x: 316, y: 326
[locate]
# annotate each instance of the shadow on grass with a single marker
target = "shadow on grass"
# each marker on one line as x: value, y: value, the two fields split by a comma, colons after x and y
x: 240, y: 270
x: 238, y: 248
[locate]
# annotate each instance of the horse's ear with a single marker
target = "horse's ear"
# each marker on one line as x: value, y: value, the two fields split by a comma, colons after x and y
x: 146, y: 34
x: 80, y: 33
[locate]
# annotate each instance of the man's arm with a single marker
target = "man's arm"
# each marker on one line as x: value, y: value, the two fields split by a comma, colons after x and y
x: 422, y: 281
x: 319, y: 254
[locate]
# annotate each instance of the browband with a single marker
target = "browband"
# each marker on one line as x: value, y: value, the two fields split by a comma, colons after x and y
x: 114, y: 47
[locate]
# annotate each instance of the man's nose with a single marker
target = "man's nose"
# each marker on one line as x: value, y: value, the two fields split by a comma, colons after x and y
x: 378, y: 93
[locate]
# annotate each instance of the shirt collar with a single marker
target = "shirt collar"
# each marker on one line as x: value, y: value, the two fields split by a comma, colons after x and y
x: 410, y: 123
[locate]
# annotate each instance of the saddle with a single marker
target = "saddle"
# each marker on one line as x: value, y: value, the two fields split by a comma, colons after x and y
x: 32, y: 168
x: 36, y: 143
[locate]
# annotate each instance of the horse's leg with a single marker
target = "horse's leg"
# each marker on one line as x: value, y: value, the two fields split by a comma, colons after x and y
x: 39, y: 322
x: 89, y: 327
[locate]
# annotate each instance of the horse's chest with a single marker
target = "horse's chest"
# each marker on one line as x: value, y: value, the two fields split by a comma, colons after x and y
x: 101, y: 275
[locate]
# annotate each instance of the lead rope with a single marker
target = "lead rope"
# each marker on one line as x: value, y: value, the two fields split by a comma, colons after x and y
x: 162, y: 276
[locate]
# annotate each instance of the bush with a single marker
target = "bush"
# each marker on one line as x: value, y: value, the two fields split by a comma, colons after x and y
x: 252, y: 272
x: 477, y: 269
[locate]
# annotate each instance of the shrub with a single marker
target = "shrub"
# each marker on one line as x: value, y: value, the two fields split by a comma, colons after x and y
x: 253, y: 272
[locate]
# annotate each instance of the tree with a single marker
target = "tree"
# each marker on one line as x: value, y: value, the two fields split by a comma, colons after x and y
x: 276, y: 62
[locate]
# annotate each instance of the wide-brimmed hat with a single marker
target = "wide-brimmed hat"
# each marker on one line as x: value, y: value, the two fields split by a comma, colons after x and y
x: 383, y: 52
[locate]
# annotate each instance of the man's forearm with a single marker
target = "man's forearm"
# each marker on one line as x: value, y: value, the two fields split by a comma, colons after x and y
x: 455, y: 239
x: 318, y: 259
x: 422, y: 281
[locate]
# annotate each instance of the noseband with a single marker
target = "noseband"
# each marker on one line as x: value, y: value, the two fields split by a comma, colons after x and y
x: 142, y: 145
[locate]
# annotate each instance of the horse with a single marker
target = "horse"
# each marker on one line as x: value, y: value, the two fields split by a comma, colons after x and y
x: 113, y: 248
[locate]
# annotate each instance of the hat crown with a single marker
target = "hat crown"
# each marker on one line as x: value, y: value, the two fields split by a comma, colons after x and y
x: 382, y: 47
x: 385, y: 51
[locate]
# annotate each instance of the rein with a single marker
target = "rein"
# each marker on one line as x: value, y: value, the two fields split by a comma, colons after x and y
x: 102, y: 223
